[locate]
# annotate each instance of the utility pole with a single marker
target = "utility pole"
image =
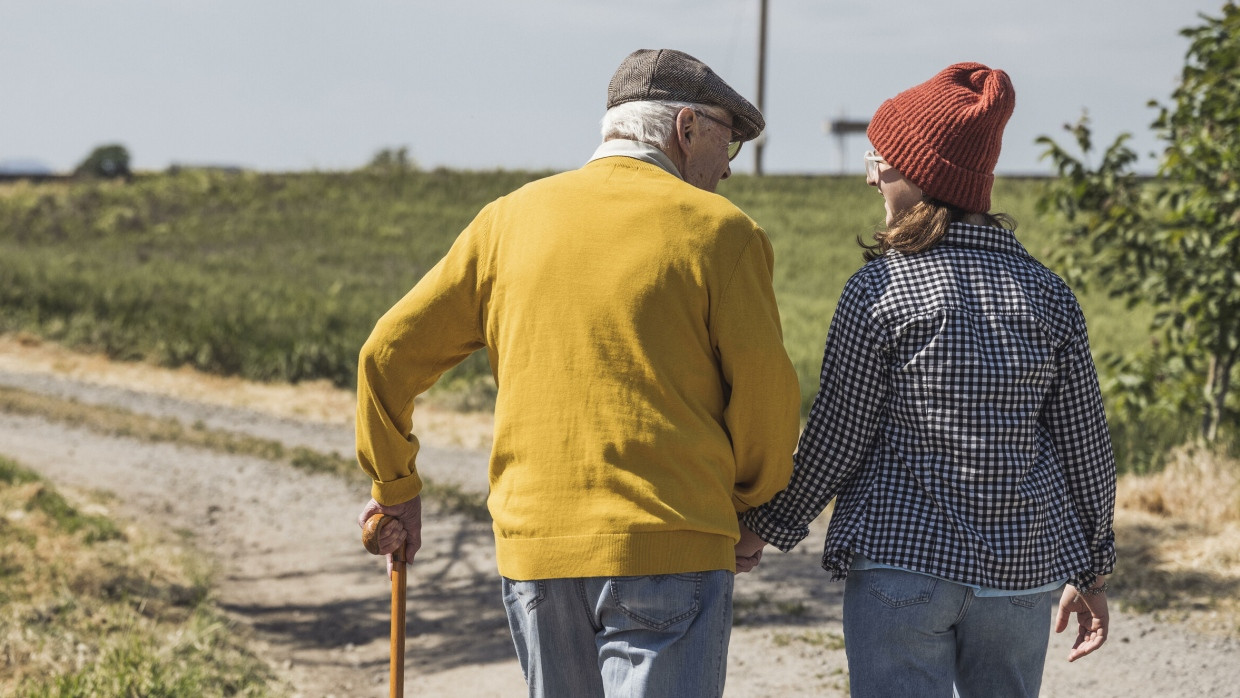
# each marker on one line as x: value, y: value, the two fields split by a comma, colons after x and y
x: 761, y: 140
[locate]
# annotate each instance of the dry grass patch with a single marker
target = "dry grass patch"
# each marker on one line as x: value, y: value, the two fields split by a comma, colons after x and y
x: 89, y: 608
x: 1178, y: 539
x: 119, y: 422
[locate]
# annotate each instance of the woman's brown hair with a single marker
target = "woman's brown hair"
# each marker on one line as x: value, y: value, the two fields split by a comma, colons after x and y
x: 922, y: 226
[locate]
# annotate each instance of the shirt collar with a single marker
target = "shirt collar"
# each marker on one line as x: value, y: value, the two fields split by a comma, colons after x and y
x: 984, y: 238
x: 638, y: 150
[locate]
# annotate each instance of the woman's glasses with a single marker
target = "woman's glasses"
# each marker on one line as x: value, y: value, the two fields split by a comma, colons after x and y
x: 872, y: 161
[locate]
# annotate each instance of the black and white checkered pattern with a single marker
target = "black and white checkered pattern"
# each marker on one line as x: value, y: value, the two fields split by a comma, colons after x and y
x: 959, y: 422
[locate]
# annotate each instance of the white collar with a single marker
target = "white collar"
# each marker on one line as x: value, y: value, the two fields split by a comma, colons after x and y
x: 638, y: 150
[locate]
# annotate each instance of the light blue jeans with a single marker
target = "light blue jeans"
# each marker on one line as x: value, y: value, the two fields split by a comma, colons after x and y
x: 663, y: 635
x: 909, y: 634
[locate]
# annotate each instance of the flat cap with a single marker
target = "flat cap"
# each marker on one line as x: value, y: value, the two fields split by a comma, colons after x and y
x: 675, y: 76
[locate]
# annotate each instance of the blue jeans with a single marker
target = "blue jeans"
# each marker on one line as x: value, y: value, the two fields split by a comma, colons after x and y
x: 662, y: 635
x: 909, y: 634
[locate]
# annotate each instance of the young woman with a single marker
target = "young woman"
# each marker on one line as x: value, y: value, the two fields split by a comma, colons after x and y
x: 959, y: 423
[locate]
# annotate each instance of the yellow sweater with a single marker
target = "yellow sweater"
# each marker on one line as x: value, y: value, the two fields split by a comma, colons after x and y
x: 645, y: 396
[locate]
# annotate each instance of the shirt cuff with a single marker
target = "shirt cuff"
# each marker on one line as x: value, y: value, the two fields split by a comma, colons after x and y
x: 393, y: 492
x: 1102, y: 562
x: 773, y: 531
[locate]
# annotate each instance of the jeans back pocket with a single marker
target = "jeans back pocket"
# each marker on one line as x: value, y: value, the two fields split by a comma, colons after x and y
x: 658, y: 601
x: 898, y: 588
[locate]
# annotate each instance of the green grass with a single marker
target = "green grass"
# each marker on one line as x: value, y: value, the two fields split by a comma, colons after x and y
x: 282, y: 276
x: 92, y: 528
x: 814, y: 638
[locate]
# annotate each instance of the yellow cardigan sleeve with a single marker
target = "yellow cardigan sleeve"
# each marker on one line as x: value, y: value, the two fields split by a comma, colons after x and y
x: 434, y: 327
x: 764, y: 403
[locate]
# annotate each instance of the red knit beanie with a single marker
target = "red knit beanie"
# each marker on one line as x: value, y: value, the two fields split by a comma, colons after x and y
x: 944, y: 134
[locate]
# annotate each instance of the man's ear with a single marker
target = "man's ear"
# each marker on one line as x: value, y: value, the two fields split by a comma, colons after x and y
x: 686, y: 127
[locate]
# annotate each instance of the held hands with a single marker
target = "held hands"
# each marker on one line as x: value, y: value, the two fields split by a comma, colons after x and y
x: 748, y: 550
x: 408, y: 533
x: 1093, y: 619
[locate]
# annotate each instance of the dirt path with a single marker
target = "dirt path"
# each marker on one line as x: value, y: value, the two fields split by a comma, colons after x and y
x: 292, y: 571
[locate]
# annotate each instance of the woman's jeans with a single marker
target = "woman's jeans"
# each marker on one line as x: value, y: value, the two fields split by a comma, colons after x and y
x: 909, y: 634
x: 663, y: 635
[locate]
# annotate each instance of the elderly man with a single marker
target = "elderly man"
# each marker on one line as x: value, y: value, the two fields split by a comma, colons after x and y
x: 645, y: 397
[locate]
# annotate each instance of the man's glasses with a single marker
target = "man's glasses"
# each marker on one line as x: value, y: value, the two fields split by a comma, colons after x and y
x: 734, y: 145
x: 872, y: 161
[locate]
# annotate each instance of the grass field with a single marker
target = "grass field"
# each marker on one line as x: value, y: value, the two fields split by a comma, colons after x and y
x: 266, y: 276
x: 281, y: 276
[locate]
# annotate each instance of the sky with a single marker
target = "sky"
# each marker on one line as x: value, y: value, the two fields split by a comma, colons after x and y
x: 294, y: 85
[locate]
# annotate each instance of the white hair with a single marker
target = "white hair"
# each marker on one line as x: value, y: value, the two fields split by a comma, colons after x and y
x: 652, y: 122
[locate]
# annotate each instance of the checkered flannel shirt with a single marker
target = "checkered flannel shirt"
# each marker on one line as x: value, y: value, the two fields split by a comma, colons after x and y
x: 959, y: 423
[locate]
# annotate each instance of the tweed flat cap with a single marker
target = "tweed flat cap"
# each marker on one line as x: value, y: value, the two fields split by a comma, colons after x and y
x: 675, y: 76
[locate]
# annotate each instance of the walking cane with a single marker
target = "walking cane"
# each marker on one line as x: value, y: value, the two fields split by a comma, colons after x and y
x: 370, y: 539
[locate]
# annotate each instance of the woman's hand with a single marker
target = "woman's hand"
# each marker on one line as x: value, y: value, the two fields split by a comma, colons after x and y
x: 1092, y: 618
x: 748, y: 550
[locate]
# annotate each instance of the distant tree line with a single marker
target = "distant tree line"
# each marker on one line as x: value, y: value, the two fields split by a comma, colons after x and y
x: 110, y: 161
